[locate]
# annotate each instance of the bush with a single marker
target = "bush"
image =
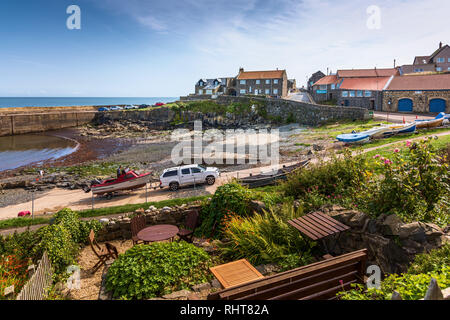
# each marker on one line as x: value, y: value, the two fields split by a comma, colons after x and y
x: 78, y: 229
x: 148, y: 271
x: 230, y: 197
x: 266, y: 238
x: 20, y: 244
x: 410, y: 286
x: 430, y: 262
x: 13, y: 271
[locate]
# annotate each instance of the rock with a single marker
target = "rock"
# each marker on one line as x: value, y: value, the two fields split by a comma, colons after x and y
x: 104, y: 221
x: 178, y: 295
x: 391, y: 225
x: 266, y: 269
x: 140, y: 211
x: 414, y: 231
x: 433, y: 292
x: 432, y: 231
x: 257, y: 206
x: 317, y: 147
x: 358, y: 220
x: 202, y: 287
x: 216, y: 284
x: 152, y: 208
x: 396, y: 296
x: 343, y: 216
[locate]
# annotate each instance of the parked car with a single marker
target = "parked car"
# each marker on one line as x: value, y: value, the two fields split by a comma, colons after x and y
x: 103, y: 109
x: 188, y: 175
x: 143, y: 106
x: 159, y: 104
x: 24, y: 213
x: 115, y: 108
x: 130, y: 107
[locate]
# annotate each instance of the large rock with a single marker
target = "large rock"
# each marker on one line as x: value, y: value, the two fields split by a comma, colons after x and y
x: 414, y: 231
x: 178, y: 295
x: 257, y: 206
x: 391, y: 225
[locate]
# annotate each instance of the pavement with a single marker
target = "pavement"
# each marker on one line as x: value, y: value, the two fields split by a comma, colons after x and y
x: 299, y: 96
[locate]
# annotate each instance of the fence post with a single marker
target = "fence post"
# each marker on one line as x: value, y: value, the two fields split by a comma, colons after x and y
x: 32, y: 204
x: 146, y: 189
x: 92, y: 200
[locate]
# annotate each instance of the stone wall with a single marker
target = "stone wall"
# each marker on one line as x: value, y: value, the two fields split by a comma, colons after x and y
x: 391, y: 244
x: 421, y: 99
x: 120, y: 227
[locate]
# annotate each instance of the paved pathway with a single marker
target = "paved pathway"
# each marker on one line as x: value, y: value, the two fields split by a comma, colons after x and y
x: 299, y: 96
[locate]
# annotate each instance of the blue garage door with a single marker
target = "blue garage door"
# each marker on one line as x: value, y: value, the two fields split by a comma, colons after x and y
x: 437, y: 105
x: 405, y: 105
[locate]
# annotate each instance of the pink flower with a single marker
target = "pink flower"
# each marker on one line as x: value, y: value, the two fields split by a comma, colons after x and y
x: 387, y: 161
x: 376, y: 156
x: 396, y: 150
x: 408, y: 143
x: 341, y: 282
x: 382, y: 159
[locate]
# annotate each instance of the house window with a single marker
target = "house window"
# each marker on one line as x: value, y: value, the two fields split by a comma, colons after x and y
x: 275, y: 91
x: 250, y: 89
x: 448, y: 59
x: 351, y: 93
x: 438, y: 69
x: 267, y: 91
x: 243, y: 91
x: 333, y: 86
x: 208, y: 91
x: 345, y: 94
x: 418, y: 70
x: 258, y: 81
x: 275, y: 81
x: 440, y: 60
x: 368, y: 93
x: 359, y: 93
x: 242, y: 82
x: 200, y: 91
x: 448, y: 68
x: 323, y: 87
x: 268, y: 81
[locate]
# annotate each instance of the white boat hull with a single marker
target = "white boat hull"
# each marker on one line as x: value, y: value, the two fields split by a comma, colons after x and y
x: 125, y: 185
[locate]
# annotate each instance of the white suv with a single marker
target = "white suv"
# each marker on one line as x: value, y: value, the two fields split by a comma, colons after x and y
x: 188, y: 175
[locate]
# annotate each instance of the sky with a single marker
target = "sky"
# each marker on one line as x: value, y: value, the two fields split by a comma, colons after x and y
x: 146, y: 48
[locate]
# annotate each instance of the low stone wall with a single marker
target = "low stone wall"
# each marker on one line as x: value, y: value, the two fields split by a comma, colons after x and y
x: 391, y: 244
x: 120, y: 227
x: 421, y: 99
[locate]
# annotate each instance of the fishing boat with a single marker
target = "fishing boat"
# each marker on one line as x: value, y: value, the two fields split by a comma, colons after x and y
x: 127, y: 181
x: 376, y: 132
x: 353, y: 137
x: 433, y: 123
x: 400, y: 128
x: 271, y: 178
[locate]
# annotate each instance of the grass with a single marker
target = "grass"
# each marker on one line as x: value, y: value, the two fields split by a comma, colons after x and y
x: 26, y: 221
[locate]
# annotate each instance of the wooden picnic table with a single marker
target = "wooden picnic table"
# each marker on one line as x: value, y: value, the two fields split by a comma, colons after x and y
x: 235, y: 273
x: 159, y: 232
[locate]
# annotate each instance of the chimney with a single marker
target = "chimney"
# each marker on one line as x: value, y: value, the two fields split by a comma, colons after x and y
x: 241, y: 70
x: 440, y: 45
x: 395, y: 63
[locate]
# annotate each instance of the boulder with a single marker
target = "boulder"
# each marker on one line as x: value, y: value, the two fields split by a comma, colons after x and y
x: 414, y: 231
x: 202, y: 287
x: 257, y: 206
x: 390, y: 226
x: 178, y: 295
x: 358, y: 220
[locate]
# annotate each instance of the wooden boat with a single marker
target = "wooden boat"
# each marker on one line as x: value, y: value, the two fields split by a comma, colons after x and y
x: 353, y: 137
x: 433, y: 123
x: 262, y: 180
x: 127, y: 181
x: 400, y: 128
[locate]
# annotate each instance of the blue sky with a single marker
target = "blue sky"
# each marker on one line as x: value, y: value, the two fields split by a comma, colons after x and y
x: 162, y: 47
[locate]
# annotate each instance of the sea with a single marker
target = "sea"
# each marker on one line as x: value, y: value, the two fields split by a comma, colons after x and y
x: 21, y: 102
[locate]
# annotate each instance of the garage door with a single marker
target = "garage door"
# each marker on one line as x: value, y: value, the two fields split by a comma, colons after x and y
x: 437, y: 105
x: 405, y: 105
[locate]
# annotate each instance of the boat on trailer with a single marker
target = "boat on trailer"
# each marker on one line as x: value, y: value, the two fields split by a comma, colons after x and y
x: 270, y: 178
x: 127, y: 181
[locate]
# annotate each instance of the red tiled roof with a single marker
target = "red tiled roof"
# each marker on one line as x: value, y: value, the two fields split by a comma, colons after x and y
x: 372, y: 84
x: 327, y: 80
x: 271, y: 74
x: 358, y: 73
x: 421, y: 82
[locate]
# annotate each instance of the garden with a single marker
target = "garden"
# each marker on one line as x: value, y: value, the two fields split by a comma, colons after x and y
x: 411, y: 184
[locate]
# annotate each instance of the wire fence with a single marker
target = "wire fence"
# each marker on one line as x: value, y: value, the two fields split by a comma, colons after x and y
x: 36, y: 288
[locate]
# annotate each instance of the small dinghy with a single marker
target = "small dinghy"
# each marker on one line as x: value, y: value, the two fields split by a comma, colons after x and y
x: 127, y: 181
x: 433, y: 123
x: 354, y: 137
x: 403, y: 128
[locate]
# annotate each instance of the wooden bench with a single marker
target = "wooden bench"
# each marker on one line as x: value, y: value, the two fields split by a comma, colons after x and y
x: 317, y: 281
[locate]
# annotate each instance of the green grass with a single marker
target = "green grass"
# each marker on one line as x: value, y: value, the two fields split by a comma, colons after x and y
x: 26, y: 222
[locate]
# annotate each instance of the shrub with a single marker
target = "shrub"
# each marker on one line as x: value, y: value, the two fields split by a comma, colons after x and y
x: 266, y: 238
x: 147, y: 271
x: 230, y: 197
x: 433, y: 261
x: 13, y: 271
x: 20, y: 244
x: 410, y: 286
x: 78, y: 229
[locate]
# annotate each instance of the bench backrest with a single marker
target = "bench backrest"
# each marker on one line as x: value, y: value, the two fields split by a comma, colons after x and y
x: 317, y: 281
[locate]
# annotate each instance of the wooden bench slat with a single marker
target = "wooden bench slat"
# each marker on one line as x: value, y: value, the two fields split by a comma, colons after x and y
x: 303, y: 230
x: 328, y: 224
x: 306, y: 224
x: 320, y: 225
x: 306, y: 221
x: 336, y: 289
x: 331, y: 220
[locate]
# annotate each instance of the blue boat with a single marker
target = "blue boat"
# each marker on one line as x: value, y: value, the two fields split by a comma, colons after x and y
x: 443, y: 115
x: 353, y: 137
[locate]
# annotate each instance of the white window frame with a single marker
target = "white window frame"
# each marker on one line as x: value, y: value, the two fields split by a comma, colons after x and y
x: 323, y: 87
x: 258, y: 81
x: 267, y: 91
x: 242, y: 82
x: 440, y: 60
x: 333, y: 86
x: 344, y: 94
x: 352, y: 94
x: 438, y: 69
x: 242, y: 91
x: 268, y: 81
x: 275, y: 81
x: 367, y: 94
x: 275, y: 91
x: 209, y: 91
x: 360, y: 93
x: 200, y: 91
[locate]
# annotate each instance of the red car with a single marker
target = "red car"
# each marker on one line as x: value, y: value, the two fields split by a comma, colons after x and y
x: 159, y: 104
x: 24, y: 213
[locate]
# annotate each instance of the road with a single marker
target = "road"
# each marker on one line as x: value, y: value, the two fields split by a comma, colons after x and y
x: 299, y: 96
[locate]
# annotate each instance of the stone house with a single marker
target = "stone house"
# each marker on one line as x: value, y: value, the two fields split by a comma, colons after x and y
x: 273, y: 83
x: 326, y: 88
x: 292, y: 85
x: 439, y: 61
x: 418, y: 93
x: 313, y: 79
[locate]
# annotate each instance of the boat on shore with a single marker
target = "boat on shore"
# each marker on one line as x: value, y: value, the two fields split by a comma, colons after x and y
x: 353, y: 138
x: 400, y: 128
x: 433, y: 123
x: 127, y: 181
x: 262, y: 180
